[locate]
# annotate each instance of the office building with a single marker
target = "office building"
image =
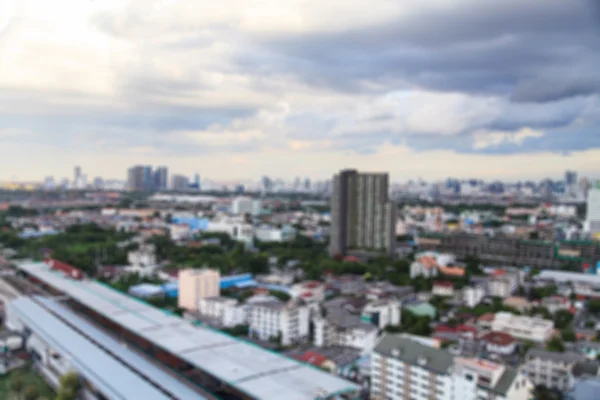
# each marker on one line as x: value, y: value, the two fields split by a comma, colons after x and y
x: 196, y: 284
x: 403, y: 368
x: 179, y: 182
x: 551, y: 369
x: 161, y: 178
x: 362, y: 216
x: 524, y: 328
x: 135, y: 178
x: 592, y: 220
x: 76, y: 176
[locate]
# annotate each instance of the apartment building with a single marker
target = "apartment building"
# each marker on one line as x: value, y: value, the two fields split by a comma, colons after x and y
x: 270, y: 318
x: 473, y: 295
x: 196, y: 284
x: 553, y: 370
x: 404, y: 369
x: 362, y: 216
x: 503, y: 283
x: 223, y: 311
x: 524, y: 328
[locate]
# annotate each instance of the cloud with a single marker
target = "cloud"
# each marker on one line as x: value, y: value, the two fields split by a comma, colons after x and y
x: 260, y: 79
x: 483, y: 140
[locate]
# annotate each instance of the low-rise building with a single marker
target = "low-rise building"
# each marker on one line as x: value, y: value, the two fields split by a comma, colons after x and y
x: 472, y: 295
x: 502, y: 283
x: 267, y: 233
x: 270, y: 318
x: 443, y: 288
x: 224, y: 311
x: 550, y: 369
x: 520, y: 304
x: 524, y: 328
x: 499, y: 343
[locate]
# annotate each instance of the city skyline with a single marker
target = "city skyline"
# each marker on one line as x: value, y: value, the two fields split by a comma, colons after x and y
x: 239, y: 90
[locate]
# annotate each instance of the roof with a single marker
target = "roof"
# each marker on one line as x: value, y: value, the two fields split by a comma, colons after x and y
x: 506, y: 380
x: 312, y: 358
x: 498, y: 338
x: 134, y: 360
x: 562, y: 276
x: 568, y: 356
x: 487, y: 317
x: 452, y: 271
x: 444, y: 284
x: 258, y: 372
x: 106, y: 373
x: 409, y: 351
x: 422, y: 309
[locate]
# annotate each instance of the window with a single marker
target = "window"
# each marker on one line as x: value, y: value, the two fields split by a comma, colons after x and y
x: 469, y: 377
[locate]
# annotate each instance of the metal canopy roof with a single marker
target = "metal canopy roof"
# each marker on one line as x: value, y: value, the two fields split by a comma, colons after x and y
x: 113, y: 379
x: 259, y: 373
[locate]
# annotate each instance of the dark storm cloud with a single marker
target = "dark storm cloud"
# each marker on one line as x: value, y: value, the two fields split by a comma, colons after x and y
x: 498, y: 47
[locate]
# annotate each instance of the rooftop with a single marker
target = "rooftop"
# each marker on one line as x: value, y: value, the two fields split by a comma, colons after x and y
x: 106, y: 373
x: 412, y: 352
x: 259, y: 373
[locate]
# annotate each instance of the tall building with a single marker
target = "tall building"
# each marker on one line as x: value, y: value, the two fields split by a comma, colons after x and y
x: 592, y: 220
x: 135, y: 178
x: 161, y: 178
x: 179, y: 182
x: 76, y: 175
x: 196, y: 284
x: 570, y: 178
x: 362, y: 216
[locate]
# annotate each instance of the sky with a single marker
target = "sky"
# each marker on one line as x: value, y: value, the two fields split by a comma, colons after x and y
x: 237, y: 89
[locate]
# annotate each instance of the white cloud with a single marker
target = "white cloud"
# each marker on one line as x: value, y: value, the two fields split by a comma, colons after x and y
x: 486, y: 139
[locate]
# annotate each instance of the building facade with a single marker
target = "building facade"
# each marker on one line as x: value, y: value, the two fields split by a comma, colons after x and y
x: 196, y: 284
x: 525, y: 328
x: 270, y: 319
x: 553, y: 370
x: 362, y: 216
x: 402, y: 368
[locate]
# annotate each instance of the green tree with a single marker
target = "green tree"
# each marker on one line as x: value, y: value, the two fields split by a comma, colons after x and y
x: 31, y: 393
x: 555, y: 344
x: 593, y: 306
x: 568, y: 335
x: 69, y: 387
x: 16, y: 385
x: 562, y: 319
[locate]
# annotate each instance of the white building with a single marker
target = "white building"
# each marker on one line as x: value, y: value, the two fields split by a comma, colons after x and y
x: 180, y: 232
x: 309, y: 291
x: 225, y: 311
x: 472, y: 295
x: 245, y: 205
x: 525, y: 328
x: 503, y: 283
x: 402, y: 368
x: 358, y: 335
x: 551, y: 369
x: 270, y: 318
x: 267, y: 233
x: 145, y: 256
x: 592, y: 220
x: 443, y: 289
x: 238, y: 230
x: 382, y: 313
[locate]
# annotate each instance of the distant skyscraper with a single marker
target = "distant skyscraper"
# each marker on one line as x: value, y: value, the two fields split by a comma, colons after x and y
x: 362, y: 216
x: 307, y: 184
x: 161, y: 178
x: 135, y: 178
x: 570, y: 178
x: 267, y: 184
x: 179, y: 182
x: 76, y: 175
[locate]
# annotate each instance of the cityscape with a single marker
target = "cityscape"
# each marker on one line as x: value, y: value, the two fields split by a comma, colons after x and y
x: 299, y: 200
